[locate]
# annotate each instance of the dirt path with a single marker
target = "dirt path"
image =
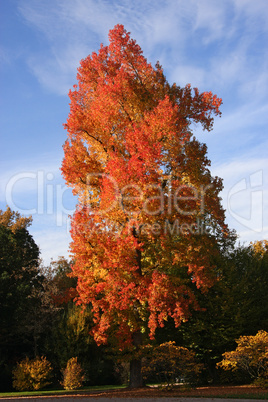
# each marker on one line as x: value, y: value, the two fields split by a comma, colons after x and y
x: 92, y: 398
x: 147, y: 394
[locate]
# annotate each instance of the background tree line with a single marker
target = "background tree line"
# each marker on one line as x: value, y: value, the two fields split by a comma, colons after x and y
x: 40, y: 318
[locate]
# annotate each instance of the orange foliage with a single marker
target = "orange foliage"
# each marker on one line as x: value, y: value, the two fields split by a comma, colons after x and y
x: 149, y: 214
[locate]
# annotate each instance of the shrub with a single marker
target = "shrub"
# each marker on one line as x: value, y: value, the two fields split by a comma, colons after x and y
x: 251, y: 356
x: 32, y: 374
x: 73, y: 376
x: 170, y: 364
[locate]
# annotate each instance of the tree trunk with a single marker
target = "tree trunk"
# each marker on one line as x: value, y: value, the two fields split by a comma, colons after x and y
x: 136, y: 380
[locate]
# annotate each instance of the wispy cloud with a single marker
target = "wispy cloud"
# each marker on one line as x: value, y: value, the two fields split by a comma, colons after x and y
x: 218, y: 46
x: 4, y: 56
x: 74, y: 28
x: 52, y: 241
x: 245, y: 195
x: 35, y: 187
x: 210, y: 20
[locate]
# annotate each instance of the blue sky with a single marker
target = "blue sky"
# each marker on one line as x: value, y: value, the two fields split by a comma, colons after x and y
x: 214, y: 45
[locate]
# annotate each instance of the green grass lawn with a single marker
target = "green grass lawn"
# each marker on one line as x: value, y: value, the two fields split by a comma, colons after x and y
x: 60, y: 391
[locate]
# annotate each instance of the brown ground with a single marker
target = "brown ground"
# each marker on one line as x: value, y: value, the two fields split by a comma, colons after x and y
x: 201, y: 391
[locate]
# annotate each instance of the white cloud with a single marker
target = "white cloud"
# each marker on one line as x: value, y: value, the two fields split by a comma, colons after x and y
x: 53, y: 242
x: 58, y: 73
x: 254, y: 14
x: 245, y: 195
x: 187, y: 74
x: 238, y: 132
x: 227, y: 67
x: 4, y: 56
x: 211, y: 18
x: 74, y: 28
x: 256, y: 84
x: 35, y: 187
x: 245, y: 116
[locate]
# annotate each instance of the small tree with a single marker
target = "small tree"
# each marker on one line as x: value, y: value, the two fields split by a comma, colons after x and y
x: 251, y: 356
x: 73, y: 376
x: 32, y: 374
x: 170, y: 364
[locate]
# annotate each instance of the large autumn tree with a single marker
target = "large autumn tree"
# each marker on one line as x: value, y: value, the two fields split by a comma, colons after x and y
x: 149, y: 219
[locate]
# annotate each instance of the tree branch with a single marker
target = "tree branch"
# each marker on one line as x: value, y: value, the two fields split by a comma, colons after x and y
x: 94, y: 138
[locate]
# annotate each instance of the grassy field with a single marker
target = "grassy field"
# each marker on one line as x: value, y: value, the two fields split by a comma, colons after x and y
x: 60, y: 391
